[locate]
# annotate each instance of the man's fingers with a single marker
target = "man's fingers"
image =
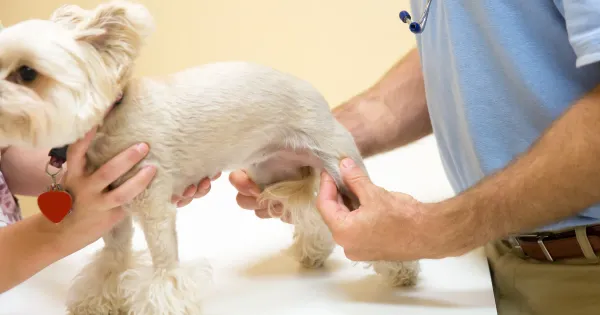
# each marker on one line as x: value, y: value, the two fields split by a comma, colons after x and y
x: 242, y: 182
x: 355, y: 254
x: 246, y: 202
x: 119, y: 165
x: 356, y: 180
x: 131, y: 188
x: 351, y: 255
x: 76, y: 153
x: 203, y: 188
x: 189, y: 191
x: 287, y: 218
x: 263, y: 213
x: 333, y: 212
x: 184, y: 202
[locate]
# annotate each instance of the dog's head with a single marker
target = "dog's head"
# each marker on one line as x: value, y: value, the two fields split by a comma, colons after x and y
x: 58, y: 77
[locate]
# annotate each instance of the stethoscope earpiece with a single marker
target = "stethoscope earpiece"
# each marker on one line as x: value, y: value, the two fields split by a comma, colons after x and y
x: 413, y: 26
x: 416, y: 27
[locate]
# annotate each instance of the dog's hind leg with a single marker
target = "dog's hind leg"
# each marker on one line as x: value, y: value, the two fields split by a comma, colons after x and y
x: 331, y: 150
x: 167, y: 287
x: 291, y: 177
x: 96, y: 289
x: 295, y: 188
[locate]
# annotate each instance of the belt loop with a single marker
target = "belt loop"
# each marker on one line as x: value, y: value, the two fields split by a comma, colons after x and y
x: 540, y: 242
x: 513, y: 241
x: 584, y: 243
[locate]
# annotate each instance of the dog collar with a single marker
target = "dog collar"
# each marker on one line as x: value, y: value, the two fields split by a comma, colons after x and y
x: 58, y: 156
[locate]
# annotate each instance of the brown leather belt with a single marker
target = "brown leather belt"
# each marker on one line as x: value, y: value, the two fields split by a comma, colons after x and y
x: 553, y: 246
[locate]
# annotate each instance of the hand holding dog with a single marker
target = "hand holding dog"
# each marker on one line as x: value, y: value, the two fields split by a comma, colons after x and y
x: 248, y: 193
x: 387, y: 226
x: 194, y: 191
x: 95, y: 210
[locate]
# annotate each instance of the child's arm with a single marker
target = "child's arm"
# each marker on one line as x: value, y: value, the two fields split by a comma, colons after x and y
x: 25, y: 174
x: 27, y: 247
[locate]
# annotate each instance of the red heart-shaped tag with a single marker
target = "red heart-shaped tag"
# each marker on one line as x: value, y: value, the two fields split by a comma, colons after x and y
x: 55, y: 205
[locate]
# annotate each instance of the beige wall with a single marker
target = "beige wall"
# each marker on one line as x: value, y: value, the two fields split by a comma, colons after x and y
x: 340, y: 46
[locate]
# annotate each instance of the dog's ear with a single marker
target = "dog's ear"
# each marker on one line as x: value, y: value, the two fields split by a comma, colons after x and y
x: 116, y: 21
x: 117, y: 30
x: 69, y: 15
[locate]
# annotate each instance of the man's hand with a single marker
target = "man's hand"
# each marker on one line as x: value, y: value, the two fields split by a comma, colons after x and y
x: 387, y: 225
x: 248, y: 193
x: 194, y: 192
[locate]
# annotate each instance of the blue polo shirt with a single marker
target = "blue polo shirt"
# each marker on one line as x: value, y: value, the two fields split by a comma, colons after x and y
x: 498, y: 72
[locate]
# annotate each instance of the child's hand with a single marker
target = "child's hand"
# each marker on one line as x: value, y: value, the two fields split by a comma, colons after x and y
x: 95, y: 211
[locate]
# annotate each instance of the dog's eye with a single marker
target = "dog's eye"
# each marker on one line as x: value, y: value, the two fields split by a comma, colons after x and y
x: 27, y: 74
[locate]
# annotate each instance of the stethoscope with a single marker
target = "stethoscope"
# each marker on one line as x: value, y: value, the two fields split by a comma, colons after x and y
x: 416, y: 27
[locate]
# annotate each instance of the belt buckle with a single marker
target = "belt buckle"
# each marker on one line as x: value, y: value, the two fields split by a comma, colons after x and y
x: 514, y: 241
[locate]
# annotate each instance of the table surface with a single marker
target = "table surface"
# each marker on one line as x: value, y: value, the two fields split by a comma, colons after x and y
x: 251, y: 275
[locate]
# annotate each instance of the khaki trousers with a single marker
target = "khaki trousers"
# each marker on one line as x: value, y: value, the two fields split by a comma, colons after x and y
x: 524, y: 286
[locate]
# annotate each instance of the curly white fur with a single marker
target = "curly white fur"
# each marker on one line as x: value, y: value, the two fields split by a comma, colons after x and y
x: 198, y: 122
x: 98, y: 287
x: 149, y: 290
x: 398, y: 273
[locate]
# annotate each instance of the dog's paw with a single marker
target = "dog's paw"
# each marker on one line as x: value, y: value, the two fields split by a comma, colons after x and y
x: 398, y: 274
x: 176, y: 291
x: 96, y: 289
x: 311, y: 250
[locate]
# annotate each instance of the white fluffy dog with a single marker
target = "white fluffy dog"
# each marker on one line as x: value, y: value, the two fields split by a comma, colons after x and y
x: 60, y: 77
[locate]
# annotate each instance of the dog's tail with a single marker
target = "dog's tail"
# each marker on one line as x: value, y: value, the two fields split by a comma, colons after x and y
x: 296, y: 195
x: 313, y: 242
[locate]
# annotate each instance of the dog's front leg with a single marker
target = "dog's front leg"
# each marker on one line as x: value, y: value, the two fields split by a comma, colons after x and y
x: 96, y: 289
x: 167, y: 287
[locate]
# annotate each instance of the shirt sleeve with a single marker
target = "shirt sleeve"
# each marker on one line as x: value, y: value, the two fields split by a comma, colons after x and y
x: 582, y: 19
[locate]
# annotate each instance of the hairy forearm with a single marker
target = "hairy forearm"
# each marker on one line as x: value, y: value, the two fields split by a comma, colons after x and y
x: 24, y: 170
x: 390, y: 114
x: 558, y: 177
x: 26, y: 248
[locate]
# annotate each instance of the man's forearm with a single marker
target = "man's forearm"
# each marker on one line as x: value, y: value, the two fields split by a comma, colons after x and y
x: 557, y: 178
x: 26, y: 248
x: 390, y: 114
x: 24, y: 170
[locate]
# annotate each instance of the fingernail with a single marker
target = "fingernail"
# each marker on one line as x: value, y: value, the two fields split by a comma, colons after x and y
x: 204, y: 185
x: 142, y: 148
x: 149, y: 168
x: 348, y: 163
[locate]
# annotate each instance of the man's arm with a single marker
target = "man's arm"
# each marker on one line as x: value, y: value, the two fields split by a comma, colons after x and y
x: 24, y: 170
x: 390, y: 114
x: 557, y: 178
